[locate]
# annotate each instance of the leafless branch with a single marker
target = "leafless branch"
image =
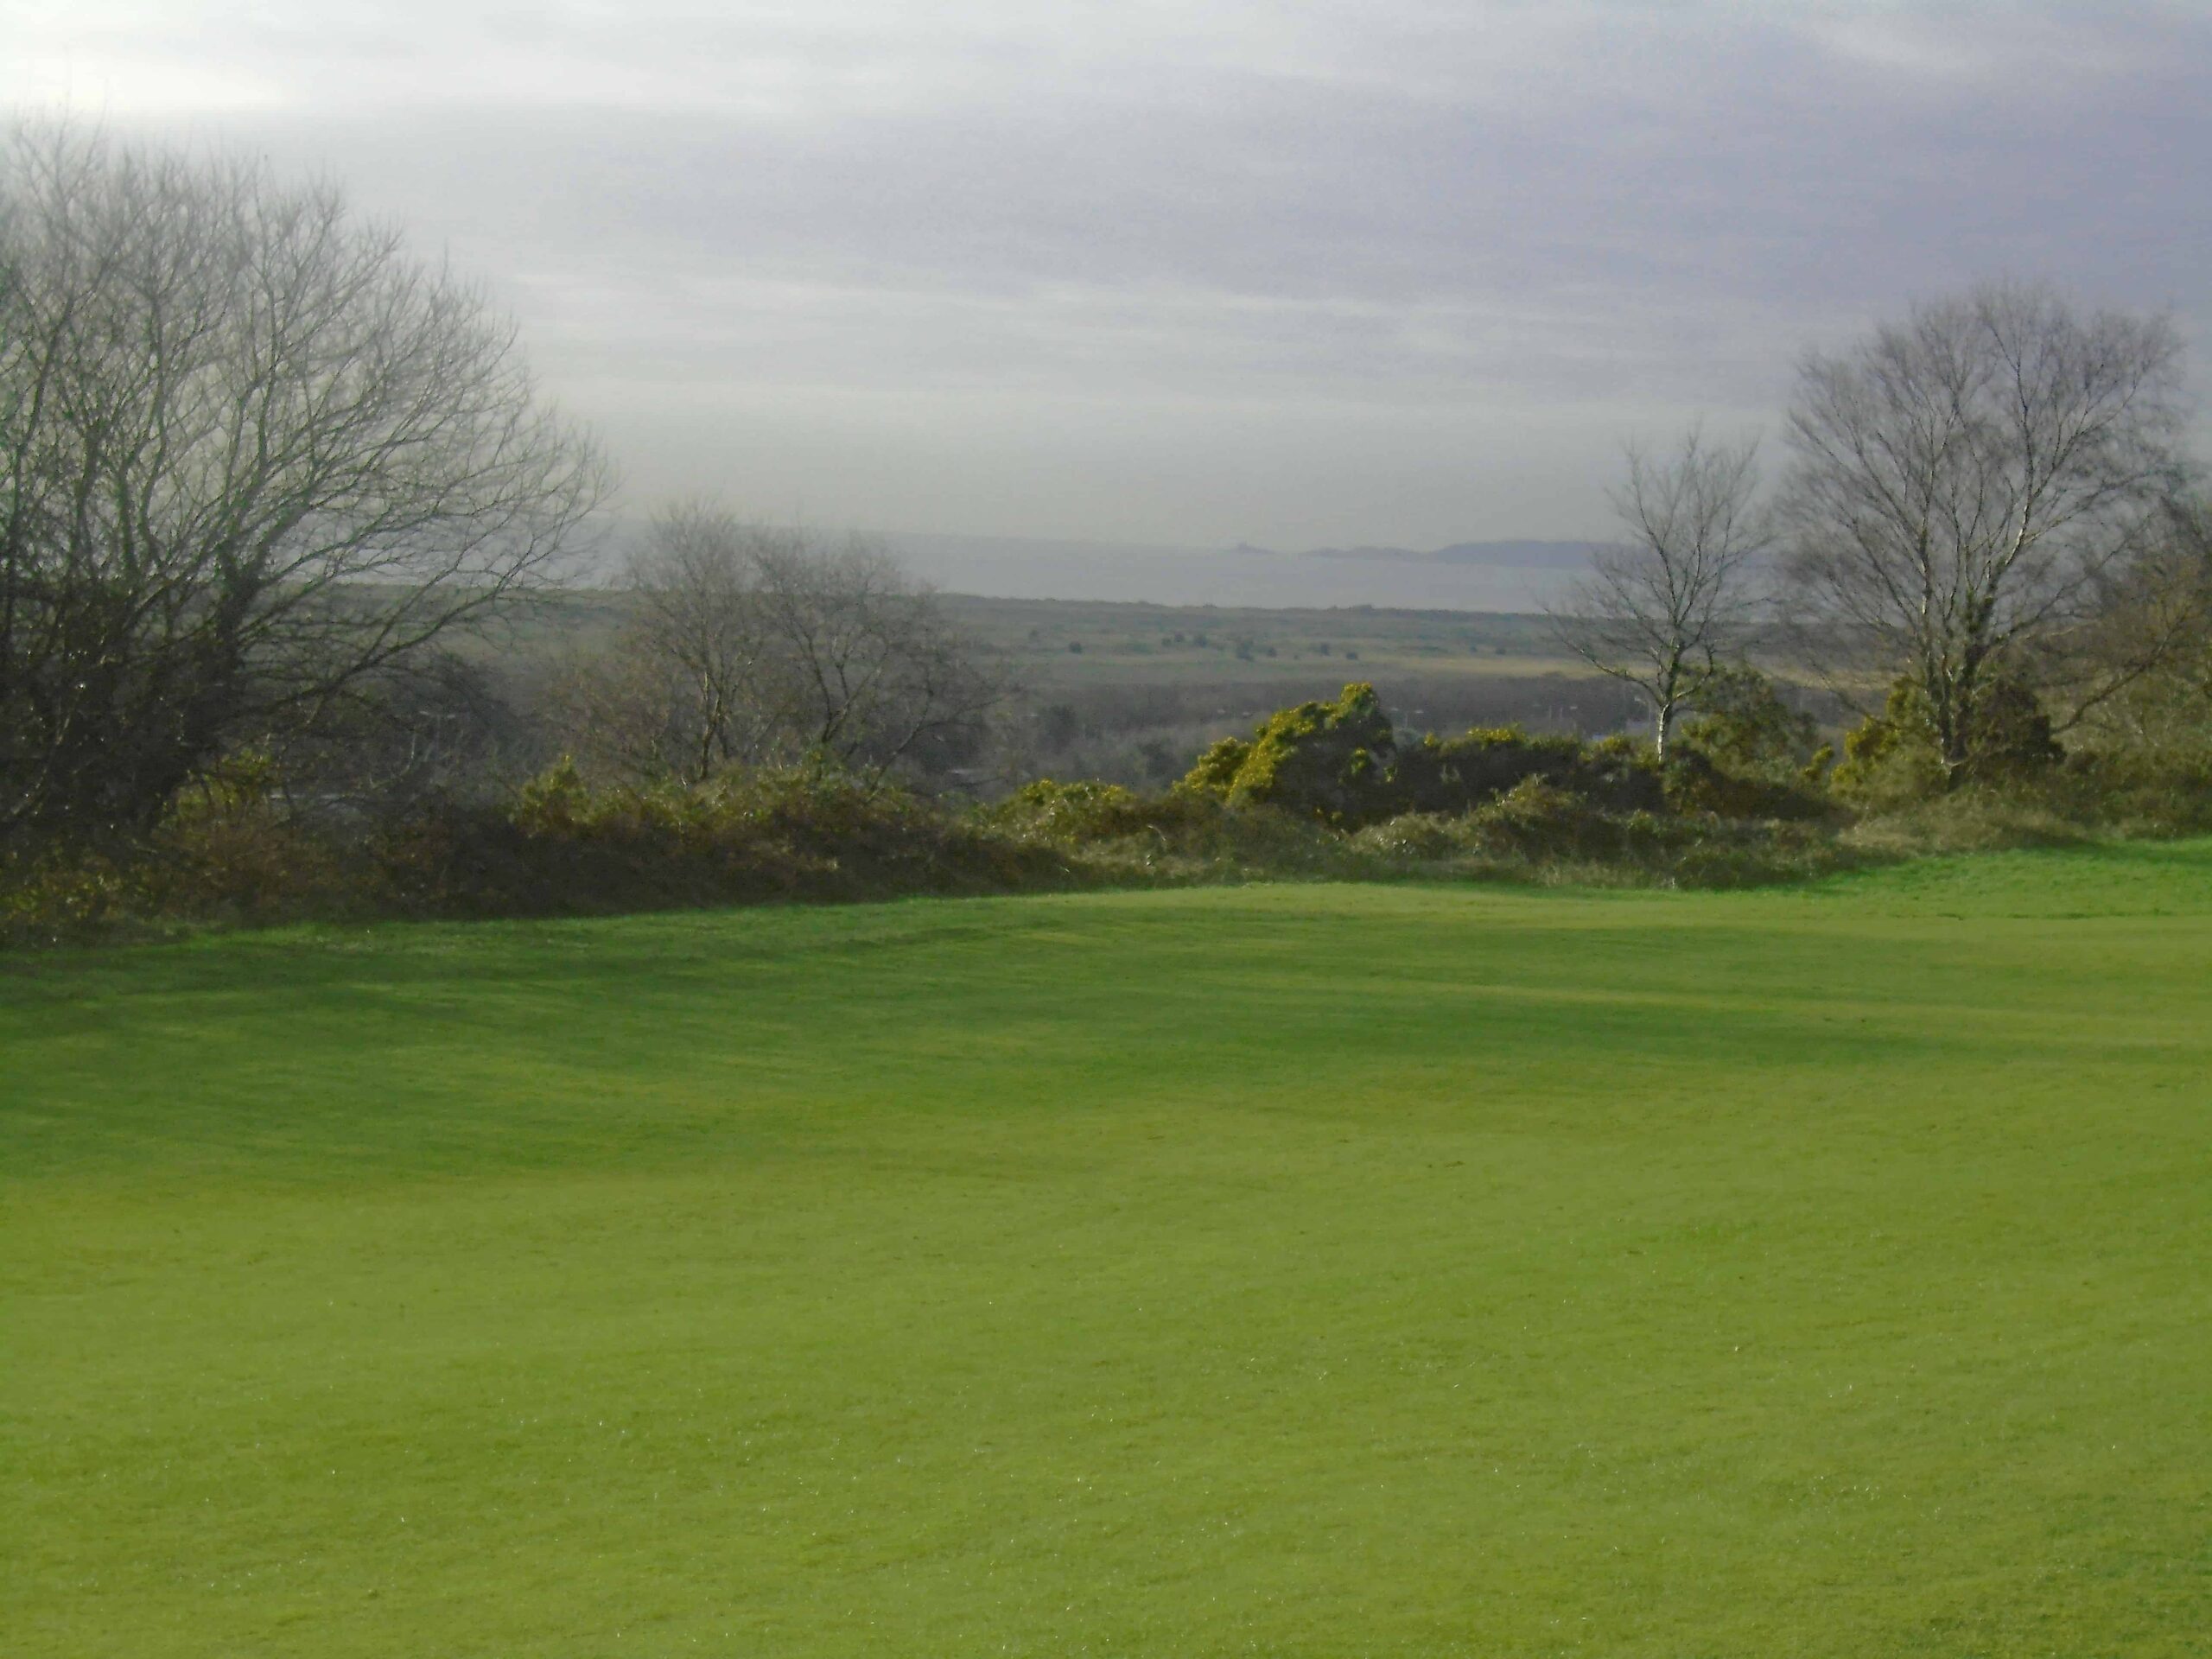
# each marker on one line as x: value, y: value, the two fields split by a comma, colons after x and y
x: 251, y: 455
x: 1968, y: 485
x: 1667, y: 612
x: 751, y: 645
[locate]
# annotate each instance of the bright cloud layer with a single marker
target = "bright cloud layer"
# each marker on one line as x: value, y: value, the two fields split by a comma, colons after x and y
x: 1298, y: 273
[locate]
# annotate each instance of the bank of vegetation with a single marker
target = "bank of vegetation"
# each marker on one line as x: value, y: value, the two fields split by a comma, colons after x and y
x: 1327, y: 789
x: 276, y: 496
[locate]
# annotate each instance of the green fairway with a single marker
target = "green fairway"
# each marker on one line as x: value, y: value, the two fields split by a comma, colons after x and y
x: 1296, y: 1269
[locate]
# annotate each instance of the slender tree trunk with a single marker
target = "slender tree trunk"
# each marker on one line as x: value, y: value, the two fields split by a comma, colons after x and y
x: 1953, y: 707
x: 1662, y: 722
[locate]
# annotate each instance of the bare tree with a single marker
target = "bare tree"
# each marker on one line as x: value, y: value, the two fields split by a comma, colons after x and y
x: 2140, y: 670
x: 1967, y: 489
x: 1666, y: 612
x: 252, y: 455
x: 688, y: 694
x: 867, y: 672
x: 751, y: 645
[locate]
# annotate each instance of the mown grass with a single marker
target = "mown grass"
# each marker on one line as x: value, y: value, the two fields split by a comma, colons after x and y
x: 1302, y: 1269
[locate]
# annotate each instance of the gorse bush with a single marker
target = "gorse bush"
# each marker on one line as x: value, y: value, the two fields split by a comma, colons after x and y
x: 1896, y: 757
x: 1341, y: 764
x: 229, y: 850
x: 1890, y: 758
x: 1075, y: 813
x: 1110, y: 833
x: 1536, y: 817
x: 1463, y: 773
x: 1747, y: 753
x: 1417, y: 838
x: 57, y: 900
x: 2142, y: 791
x: 1538, y: 833
x: 802, y: 833
x: 1331, y: 760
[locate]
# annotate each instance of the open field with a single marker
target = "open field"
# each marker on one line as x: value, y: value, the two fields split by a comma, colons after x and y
x: 1131, y: 693
x: 1097, y: 642
x: 1296, y: 1269
x: 1079, y: 642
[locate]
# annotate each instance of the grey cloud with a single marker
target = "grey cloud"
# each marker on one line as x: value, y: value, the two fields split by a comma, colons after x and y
x: 1412, y: 225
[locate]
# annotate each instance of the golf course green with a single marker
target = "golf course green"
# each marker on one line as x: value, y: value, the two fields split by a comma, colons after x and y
x: 1293, y: 1269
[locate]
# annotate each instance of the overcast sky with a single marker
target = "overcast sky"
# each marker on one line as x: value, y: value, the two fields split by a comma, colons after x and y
x: 1300, y: 274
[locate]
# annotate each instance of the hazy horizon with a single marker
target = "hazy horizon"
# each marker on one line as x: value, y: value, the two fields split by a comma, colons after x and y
x: 1508, y: 576
x: 1403, y: 273
x: 1514, y: 575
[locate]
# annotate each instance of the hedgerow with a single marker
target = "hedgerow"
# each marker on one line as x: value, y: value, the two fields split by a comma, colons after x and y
x: 1326, y: 789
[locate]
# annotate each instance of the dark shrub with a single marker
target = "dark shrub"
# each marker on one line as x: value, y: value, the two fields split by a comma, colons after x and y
x: 1537, y: 818
x: 1893, y: 758
x: 1075, y: 812
x: 807, y: 833
x: 1748, y: 754
x: 1459, y: 774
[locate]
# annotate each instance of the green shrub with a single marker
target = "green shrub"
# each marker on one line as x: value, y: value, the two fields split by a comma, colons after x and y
x: 1537, y: 818
x: 1973, y: 818
x: 254, y: 863
x: 2012, y: 741
x: 560, y: 847
x: 1748, y: 754
x: 57, y: 900
x: 1341, y: 764
x: 1215, y: 772
x: 229, y: 851
x: 1328, y: 760
x: 1893, y: 758
x: 556, y: 802
x: 1697, y: 783
x: 1322, y: 790
x: 1075, y: 812
x: 1461, y: 775
x: 1417, y: 838
x: 2144, y: 791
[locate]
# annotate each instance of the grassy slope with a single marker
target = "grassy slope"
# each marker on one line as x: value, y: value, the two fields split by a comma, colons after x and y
x: 1295, y: 1270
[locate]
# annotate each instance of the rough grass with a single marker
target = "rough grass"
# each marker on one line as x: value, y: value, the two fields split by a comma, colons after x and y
x: 1297, y: 1269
